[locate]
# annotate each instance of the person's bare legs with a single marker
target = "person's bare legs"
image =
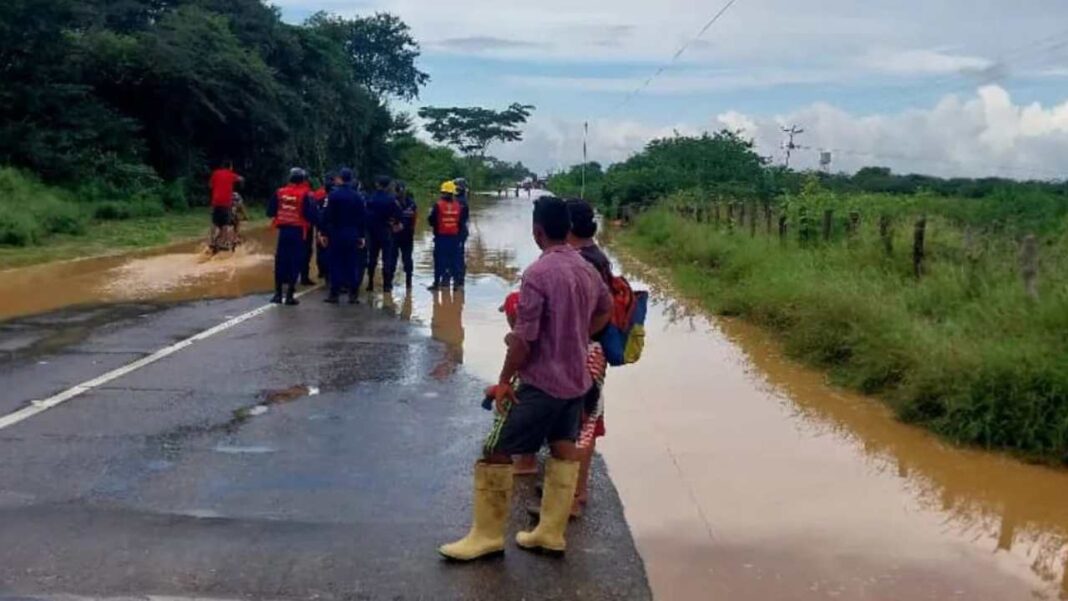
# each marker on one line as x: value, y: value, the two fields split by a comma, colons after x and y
x: 526, y: 465
x: 565, y: 450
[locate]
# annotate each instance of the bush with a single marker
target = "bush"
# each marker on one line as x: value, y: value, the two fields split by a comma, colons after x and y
x: 18, y: 229
x: 61, y: 218
x: 141, y: 206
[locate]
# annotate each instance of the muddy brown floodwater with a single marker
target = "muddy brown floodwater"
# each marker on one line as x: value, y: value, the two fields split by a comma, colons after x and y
x: 744, y: 476
x: 183, y: 271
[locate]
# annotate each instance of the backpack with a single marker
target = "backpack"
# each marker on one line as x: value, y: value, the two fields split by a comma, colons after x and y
x: 623, y: 339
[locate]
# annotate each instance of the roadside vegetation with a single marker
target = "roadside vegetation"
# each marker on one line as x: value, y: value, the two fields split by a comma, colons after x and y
x: 117, y: 111
x: 960, y: 329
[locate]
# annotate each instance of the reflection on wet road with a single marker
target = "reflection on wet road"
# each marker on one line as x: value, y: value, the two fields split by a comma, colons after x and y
x: 744, y: 476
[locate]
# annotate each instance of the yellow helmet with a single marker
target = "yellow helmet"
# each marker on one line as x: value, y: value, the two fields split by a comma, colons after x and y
x: 448, y: 187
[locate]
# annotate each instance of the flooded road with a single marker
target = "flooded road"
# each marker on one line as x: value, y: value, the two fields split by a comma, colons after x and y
x: 743, y: 475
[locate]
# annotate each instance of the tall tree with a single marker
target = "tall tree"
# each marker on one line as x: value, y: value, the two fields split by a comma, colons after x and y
x: 381, y: 50
x: 472, y: 129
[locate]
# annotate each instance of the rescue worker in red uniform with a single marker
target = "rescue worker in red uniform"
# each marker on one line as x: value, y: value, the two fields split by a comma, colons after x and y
x: 293, y: 211
x: 448, y: 219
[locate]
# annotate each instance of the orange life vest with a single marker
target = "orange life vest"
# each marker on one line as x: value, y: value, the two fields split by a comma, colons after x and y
x: 448, y: 218
x: 291, y: 207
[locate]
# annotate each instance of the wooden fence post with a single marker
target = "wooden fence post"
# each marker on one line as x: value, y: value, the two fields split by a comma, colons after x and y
x: 782, y: 227
x: 918, y: 236
x: 804, y: 227
x: 886, y: 235
x: 1029, y: 265
x: 854, y: 223
x: 730, y: 214
x: 767, y: 218
x: 828, y: 224
x: 752, y: 219
x: 715, y: 213
x: 741, y: 214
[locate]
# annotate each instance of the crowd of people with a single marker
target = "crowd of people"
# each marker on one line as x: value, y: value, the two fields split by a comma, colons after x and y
x: 350, y: 231
x: 550, y: 387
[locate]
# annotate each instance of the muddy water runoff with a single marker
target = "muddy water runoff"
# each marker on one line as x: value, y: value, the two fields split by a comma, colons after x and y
x: 184, y: 271
x: 743, y: 475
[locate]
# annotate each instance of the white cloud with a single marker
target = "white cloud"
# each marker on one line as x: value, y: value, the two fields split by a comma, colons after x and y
x: 981, y: 135
x: 987, y: 134
x: 552, y: 144
x: 924, y: 62
x: 769, y: 31
x: 689, y: 83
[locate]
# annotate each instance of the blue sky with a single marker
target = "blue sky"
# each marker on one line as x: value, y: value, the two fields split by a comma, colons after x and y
x: 946, y: 86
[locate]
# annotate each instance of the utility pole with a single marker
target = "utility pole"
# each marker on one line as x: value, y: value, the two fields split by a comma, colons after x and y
x: 585, y: 136
x: 790, y: 146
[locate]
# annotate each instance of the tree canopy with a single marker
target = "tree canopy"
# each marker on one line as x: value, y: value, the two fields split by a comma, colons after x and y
x: 128, y: 93
x: 472, y: 129
x: 381, y: 50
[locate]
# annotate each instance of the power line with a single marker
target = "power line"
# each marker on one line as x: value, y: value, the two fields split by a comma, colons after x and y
x: 682, y: 49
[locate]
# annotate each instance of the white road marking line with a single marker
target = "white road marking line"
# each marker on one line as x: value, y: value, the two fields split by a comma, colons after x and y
x: 35, y: 407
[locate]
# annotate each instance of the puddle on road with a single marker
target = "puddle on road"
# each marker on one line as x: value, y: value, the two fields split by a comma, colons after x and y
x: 179, y: 272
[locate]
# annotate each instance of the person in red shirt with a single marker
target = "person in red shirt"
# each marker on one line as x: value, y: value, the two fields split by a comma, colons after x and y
x: 222, y: 184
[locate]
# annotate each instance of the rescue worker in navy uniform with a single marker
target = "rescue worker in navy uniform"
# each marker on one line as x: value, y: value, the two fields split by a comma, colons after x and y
x: 345, y: 223
x: 448, y: 218
x: 383, y: 216
x: 460, y: 275
x: 405, y: 238
x: 293, y: 212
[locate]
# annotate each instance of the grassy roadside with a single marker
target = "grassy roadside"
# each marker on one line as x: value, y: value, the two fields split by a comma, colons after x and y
x: 964, y: 352
x: 107, y: 237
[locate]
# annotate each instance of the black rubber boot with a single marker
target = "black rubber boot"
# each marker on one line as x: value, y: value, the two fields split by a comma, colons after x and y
x: 291, y: 298
x: 332, y: 299
x: 277, y: 298
x: 408, y: 281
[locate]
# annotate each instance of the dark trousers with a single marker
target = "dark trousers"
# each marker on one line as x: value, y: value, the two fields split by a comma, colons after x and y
x: 404, y: 244
x: 289, y: 256
x: 309, y: 245
x: 447, y: 257
x: 461, y: 263
x: 380, y: 244
x: 347, y: 261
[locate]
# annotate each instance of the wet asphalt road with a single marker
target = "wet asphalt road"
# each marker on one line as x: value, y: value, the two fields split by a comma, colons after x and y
x: 167, y: 482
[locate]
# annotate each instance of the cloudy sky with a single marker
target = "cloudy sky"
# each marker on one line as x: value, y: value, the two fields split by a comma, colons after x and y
x: 950, y: 87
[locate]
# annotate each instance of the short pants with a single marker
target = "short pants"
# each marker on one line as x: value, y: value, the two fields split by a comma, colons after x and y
x: 537, y: 418
x: 222, y: 216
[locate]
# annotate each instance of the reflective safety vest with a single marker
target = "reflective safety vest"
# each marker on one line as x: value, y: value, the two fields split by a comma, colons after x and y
x: 448, y: 218
x: 291, y: 207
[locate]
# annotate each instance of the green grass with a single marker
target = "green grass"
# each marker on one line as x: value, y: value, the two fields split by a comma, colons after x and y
x: 107, y: 237
x: 964, y: 351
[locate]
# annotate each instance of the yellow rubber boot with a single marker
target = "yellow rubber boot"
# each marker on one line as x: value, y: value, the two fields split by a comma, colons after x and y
x: 492, y: 504
x: 557, y: 495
